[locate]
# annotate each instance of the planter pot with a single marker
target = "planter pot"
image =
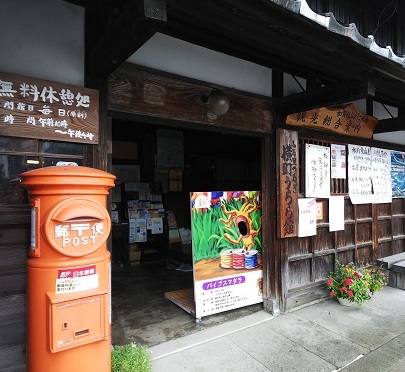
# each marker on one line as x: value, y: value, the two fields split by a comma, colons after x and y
x: 345, y: 302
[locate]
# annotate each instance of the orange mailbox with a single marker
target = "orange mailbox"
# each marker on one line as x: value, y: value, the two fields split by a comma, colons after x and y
x: 69, y: 270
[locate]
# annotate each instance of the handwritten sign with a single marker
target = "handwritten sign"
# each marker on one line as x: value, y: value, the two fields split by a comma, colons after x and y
x: 42, y: 109
x: 317, y: 171
x: 359, y: 173
x: 346, y: 120
x: 307, y: 217
x: 381, y: 175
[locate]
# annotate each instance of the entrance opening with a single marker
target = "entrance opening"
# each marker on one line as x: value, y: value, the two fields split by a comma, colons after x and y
x: 211, y: 161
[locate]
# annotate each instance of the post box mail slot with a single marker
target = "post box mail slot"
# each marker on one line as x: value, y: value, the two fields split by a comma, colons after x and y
x: 77, y: 321
x: 77, y: 226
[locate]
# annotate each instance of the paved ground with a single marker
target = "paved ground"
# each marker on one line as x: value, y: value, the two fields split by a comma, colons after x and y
x: 321, y: 337
x: 142, y: 314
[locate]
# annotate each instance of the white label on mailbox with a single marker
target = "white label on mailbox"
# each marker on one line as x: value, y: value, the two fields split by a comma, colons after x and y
x: 33, y: 228
x: 77, y: 279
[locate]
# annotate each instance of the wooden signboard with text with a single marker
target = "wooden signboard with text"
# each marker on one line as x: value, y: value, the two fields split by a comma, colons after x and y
x: 345, y: 120
x: 34, y: 108
x: 288, y: 163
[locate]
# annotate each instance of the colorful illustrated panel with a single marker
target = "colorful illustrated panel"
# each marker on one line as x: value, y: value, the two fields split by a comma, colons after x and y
x: 227, y: 250
x: 398, y: 174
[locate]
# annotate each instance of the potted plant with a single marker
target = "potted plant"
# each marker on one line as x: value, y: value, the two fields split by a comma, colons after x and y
x: 130, y: 358
x: 355, y: 285
x: 376, y: 277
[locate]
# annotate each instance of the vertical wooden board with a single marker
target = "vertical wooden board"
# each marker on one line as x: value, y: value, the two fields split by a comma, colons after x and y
x: 12, y: 358
x: 13, y: 259
x: 12, y: 334
x: 363, y: 211
x: 299, y: 273
x: 398, y: 225
x: 365, y: 255
x: 288, y: 185
x: 12, y: 309
x: 349, y: 235
x: 340, y: 238
x: 364, y: 232
x: 299, y: 247
x: 401, y: 281
x: 383, y: 229
x: 323, y: 266
x: 345, y: 256
x: 383, y: 209
x: 397, y: 206
x: 323, y: 239
x: 384, y: 249
x: 349, y: 210
x: 14, y: 235
x: 397, y: 247
x: 13, y: 283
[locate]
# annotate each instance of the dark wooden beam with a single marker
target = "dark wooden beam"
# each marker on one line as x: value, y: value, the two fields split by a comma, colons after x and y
x: 390, y: 125
x: 390, y: 92
x: 129, y: 92
x: 329, y: 95
x: 136, y: 24
x: 278, y: 83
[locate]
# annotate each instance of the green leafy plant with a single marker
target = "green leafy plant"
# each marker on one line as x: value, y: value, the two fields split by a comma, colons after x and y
x: 355, y: 284
x: 131, y: 358
x: 376, y: 277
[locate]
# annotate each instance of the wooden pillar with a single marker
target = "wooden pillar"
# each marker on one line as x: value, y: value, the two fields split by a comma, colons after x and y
x: 271, y: 245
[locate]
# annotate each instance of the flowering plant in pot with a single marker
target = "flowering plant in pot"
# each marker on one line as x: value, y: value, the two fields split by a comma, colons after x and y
x: 377, y: 278
x: 356, y: 285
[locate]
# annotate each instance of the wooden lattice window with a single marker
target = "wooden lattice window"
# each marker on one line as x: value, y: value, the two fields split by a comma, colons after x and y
x: 18, y: 155
x: 338, y: 186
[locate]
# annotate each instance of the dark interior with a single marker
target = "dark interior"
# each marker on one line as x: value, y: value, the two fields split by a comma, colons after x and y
x: 213, y: 161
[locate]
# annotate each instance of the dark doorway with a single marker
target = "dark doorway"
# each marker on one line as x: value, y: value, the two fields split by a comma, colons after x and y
x: 213, y: 161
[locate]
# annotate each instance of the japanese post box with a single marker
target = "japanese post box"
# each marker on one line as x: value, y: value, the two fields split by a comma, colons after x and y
x: 68, y: 270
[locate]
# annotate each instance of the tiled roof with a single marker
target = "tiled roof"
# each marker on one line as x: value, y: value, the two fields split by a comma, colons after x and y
x: 330, y: 23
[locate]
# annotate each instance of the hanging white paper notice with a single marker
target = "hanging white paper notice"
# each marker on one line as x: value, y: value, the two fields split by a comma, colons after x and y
x: 307, y: 217
x: 336, y: 213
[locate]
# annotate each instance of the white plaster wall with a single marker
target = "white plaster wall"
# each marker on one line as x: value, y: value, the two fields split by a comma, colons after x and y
x: 391, y: 137
x: 168, y: 54
x: 387, y: 112
x: 175, y: 56
x: 42, y: 39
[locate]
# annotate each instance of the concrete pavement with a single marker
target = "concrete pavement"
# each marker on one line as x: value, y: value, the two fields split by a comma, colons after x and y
x: 324, y: 336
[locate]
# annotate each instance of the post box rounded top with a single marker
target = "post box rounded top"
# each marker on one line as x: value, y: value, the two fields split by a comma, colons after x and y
x: 67, y: 175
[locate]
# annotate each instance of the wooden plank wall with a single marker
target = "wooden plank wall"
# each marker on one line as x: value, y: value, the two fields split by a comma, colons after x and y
x: 370, y: 231
x: 15, y: 222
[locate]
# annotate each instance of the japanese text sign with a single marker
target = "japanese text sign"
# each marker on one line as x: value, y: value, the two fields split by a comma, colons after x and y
x: 345, y: 120
x: 34, y: 108
x: 288, y: 164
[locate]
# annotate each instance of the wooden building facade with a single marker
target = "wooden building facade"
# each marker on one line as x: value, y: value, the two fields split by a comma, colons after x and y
x: 336, y: 72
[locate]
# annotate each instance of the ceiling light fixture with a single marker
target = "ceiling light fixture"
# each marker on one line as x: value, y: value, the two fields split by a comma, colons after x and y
x: 217, y: 103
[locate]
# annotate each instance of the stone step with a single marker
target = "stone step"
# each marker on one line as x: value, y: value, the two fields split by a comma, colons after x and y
x: 398, y: 267
x: 389, y: 261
